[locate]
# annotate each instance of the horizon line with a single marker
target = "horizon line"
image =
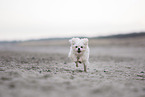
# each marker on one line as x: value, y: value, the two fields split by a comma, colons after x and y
x: 55, y: 38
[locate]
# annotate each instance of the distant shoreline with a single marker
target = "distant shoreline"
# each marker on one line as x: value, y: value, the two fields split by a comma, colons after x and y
x: 128, y: 35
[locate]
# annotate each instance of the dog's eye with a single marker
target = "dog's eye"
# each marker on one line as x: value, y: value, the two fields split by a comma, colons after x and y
x: 81, y: 46
x: 76, y: 46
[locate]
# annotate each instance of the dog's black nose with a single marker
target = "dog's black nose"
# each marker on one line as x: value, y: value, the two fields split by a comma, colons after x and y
x: 79, y: 49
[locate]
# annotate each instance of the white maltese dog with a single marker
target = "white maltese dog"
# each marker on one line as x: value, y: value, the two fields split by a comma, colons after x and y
x: 79, y: 51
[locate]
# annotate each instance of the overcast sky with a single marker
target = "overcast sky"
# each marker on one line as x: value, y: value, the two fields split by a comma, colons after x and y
x: 32, y: 19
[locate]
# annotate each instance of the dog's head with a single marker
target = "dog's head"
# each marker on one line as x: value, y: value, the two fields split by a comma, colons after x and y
x: 79, y: 45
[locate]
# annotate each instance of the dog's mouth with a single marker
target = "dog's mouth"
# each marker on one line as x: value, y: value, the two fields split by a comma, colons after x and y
x: 79, y: 51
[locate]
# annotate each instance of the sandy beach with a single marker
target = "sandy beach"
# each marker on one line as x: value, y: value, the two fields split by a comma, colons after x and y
x: 43, y: 69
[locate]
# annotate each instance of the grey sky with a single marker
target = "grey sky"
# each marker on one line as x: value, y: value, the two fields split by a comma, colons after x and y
x: 26, y: 19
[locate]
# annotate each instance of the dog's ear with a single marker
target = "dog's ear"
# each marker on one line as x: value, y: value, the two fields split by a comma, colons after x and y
x: 72, y: 41
x: 85, y: 40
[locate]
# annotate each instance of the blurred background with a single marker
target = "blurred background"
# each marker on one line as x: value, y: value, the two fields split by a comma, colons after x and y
x: 41, y: 19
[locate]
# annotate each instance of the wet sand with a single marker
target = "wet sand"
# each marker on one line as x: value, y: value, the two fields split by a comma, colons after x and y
x: 28, y: 70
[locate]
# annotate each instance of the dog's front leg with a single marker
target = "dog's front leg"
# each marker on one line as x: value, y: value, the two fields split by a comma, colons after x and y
x: 76, y: 64
x: 77, y: 61
x: 85, y: 66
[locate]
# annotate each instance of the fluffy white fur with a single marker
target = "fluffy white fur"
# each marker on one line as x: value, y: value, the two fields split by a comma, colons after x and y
x: 79, y: 51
